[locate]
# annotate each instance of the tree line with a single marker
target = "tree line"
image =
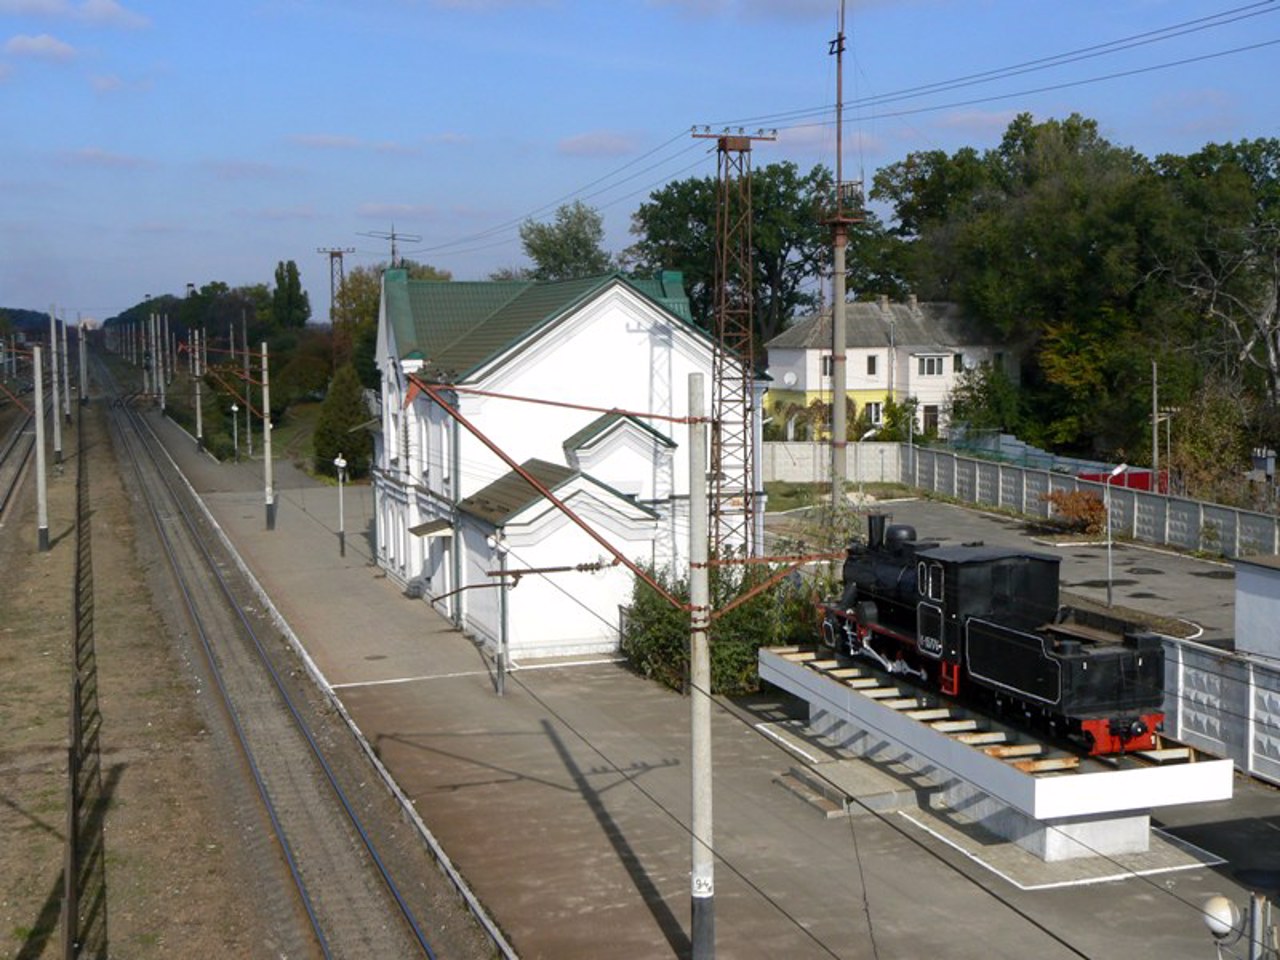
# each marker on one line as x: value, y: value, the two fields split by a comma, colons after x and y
x: 1088, y: 259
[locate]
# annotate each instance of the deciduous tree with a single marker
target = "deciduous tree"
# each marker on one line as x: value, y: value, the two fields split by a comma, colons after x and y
x: 568, y: 247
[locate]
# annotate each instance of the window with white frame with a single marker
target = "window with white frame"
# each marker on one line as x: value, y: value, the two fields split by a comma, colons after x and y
x: 958, y: 366
x: 875, y: 413
x: 828, y: 364
x: 931, y: 366
x: 871, y: 365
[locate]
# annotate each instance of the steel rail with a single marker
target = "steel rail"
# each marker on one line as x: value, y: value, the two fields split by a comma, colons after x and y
x: 303, y: 728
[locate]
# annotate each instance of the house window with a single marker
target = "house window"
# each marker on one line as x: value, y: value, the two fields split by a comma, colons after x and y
x: 828, y: 364
x: 930, y: 418
x: 931, y: 366
x: 875, y: 413
x: 871, y: 365
x: 958, y: 364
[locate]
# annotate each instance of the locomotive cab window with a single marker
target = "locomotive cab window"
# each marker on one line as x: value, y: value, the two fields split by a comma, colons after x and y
x: 929, y: 580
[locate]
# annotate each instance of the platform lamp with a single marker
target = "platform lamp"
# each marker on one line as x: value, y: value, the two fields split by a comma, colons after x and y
x: 1228, y: 924
x: 341, y: 466
x: 235, y: 431
x: 1111, y: 479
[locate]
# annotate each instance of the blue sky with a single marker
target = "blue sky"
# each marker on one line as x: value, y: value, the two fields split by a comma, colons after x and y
x: 148, y: 144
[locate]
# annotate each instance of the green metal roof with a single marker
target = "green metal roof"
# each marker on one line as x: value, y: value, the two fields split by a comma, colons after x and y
x: 508, y: 495
x: 459, y: 325
x: 601, y: 425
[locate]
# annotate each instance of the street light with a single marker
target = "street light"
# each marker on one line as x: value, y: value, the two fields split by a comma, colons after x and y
x: 235, y: 431
x: 1111, y: 479
x: 866, y: 436
x: 341, y: 466
x: 497, y: 543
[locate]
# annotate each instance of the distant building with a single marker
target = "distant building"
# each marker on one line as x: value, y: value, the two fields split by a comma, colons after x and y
x: 893, y: 350
x: 610, y: 358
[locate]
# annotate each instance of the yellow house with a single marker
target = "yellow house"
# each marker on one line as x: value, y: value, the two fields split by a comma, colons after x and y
x: 892, y: 350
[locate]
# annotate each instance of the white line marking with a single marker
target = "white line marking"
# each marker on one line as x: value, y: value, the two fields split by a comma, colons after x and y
x: 784, y: 743
x: 568, y: 663
x: 429, y: 676
x: 1210, y: 860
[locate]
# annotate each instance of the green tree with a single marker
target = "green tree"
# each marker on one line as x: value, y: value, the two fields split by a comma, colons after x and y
x: 568, y: 247
x: 984, y: 398
x: 290, y: 305
x: 676, y: 229
x: 339, y: 427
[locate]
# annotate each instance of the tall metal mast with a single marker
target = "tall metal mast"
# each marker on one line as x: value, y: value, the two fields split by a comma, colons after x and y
x: 847, y: 195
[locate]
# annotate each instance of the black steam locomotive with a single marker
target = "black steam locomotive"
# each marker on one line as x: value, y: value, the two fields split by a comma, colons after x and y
x: 985, y: 623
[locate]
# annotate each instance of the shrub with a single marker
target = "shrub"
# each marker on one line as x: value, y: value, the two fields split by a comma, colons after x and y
x: 1078, y: 510
x: 656, y: 636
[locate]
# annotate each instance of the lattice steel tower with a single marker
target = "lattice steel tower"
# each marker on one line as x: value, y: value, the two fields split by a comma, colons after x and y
x: 732, y: 498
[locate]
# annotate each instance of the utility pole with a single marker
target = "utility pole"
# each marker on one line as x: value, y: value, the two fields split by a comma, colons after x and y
x: 66, y: 372
x: 337, y: 323
x: 42, y: 480
x: 266, y: 440
x: 1155, y: 428
x: 733, y: 481
x: 702, y: 875
x: 197, y: 377
x: 840, y: 221
x: 393, y: 237
x: 248, y: 388
x: 82, y: 342
x: 53, y: 378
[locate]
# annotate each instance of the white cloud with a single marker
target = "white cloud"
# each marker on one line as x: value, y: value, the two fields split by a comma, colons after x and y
x: 598, y: 143
x: 325, y: 141
x: 110, y: 13
x: 35, y: 8
x: 41, y: 47
x: 97, y: 157
x: 399, y: 211
x: 97, y: 12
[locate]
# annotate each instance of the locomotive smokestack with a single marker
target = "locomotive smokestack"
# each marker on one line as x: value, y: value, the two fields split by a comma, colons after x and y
x: 875, y: 530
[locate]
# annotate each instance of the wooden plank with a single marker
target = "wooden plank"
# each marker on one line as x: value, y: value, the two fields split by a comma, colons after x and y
x: 1168, y: 755
x: 844, y: 673
x: 982, y: 737
x: 904, y: 703
x: 935, y: 713
x: 863, y: 683
x: 954, y: 726
x: 1014, y: 750
x: 880, y: 693
x: 1047, y: 764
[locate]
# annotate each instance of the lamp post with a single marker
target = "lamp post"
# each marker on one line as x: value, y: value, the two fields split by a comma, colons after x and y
x: 341, y: 466
x: 1110, y: 480
x: 497, y: 544
x: 235, y: 431
x: 866, y: 436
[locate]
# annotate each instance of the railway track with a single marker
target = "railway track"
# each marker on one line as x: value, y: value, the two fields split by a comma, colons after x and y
x: 17, y: 441
x: 336, y: 897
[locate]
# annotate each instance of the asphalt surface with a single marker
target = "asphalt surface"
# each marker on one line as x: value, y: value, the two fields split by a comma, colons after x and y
x: 565, y: 803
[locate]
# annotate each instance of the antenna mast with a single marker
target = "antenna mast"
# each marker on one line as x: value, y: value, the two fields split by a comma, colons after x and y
x: 846, y: 193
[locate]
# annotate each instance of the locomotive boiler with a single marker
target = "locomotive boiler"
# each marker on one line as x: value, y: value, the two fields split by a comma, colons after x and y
x: 986, y: 624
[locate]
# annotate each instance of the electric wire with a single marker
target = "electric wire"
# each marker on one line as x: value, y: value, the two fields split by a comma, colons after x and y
x: 1064, y: 85
x: 1042, y: 63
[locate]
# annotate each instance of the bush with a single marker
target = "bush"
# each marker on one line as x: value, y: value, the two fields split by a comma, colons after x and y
x: 656, y: 636
x: 1081, y: 511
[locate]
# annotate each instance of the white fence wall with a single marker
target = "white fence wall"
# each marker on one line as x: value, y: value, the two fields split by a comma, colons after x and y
x: 1137, y: 514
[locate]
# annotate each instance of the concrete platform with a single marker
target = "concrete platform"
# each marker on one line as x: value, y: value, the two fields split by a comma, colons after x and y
x: 1043, y: 803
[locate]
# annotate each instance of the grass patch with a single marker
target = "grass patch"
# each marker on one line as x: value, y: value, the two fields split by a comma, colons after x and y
x: 292, y: 438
